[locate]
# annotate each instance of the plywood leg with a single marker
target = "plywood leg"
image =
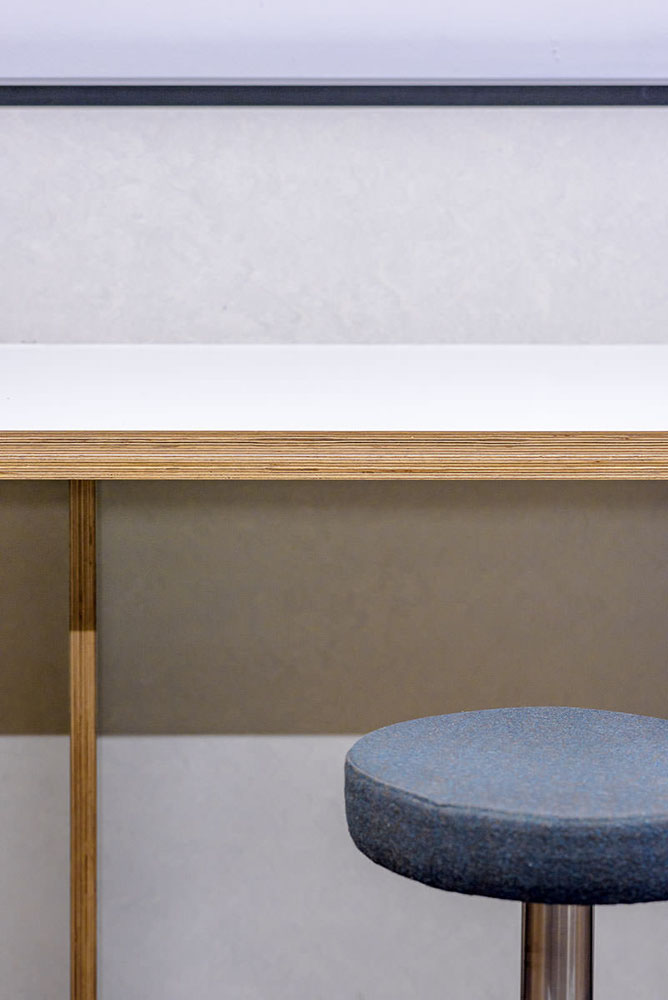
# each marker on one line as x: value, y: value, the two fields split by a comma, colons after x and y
x: 83, y: 766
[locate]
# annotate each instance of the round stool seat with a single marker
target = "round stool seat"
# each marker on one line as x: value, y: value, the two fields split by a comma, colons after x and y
x: 544, y: 805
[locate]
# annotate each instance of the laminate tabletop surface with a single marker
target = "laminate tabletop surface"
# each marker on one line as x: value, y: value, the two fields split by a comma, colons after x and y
x: 333, y: 388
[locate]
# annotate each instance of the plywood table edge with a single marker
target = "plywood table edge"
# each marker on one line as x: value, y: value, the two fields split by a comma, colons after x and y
x: 83, y: 762
x: 333, y: 455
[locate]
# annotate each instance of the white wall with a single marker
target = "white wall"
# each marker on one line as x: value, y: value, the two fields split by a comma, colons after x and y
x: 334, y: 225
x: 235, y: 878
x: 34, y: 860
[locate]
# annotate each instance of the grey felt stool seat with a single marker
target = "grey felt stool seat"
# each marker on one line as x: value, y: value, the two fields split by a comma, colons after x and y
x: 560, y: 806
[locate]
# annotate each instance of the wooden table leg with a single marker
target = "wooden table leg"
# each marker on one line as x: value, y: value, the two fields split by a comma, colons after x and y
x: 83, y: 766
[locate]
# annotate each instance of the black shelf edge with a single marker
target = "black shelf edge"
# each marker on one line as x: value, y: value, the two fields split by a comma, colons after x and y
x: 331, y: 95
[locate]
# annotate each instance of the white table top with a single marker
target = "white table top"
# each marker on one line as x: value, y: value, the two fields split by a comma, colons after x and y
x: 328, y: 388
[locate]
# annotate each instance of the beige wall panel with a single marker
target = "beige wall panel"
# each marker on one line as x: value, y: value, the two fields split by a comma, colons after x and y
x: 34, y: 592
x: 313, y: 607
x: 338, y: 607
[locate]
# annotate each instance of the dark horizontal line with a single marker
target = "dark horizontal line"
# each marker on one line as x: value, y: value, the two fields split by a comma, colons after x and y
x: 331, y: 95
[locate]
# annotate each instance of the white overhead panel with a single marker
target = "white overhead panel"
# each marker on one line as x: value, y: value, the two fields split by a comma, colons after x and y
x: 350, y: 40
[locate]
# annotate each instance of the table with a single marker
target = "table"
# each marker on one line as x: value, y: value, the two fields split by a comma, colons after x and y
x: 84, y: 413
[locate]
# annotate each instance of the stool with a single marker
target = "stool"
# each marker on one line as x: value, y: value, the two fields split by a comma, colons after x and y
x: 560, y: 808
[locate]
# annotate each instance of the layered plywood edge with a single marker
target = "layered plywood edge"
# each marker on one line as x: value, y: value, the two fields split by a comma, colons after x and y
x: 333, y: 455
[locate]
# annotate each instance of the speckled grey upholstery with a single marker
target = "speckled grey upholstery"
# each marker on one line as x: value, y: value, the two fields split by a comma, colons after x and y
x: 548, y: 805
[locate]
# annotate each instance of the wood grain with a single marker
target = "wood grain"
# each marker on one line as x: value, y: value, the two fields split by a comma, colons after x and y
x: 83, y: 765
x: 335, y: 455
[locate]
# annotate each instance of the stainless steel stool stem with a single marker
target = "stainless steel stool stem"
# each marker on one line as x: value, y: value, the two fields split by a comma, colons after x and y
x: 557, y: 952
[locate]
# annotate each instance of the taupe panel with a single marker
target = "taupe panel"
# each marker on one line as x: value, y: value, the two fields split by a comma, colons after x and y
x: 334, y: 607
x: 34, y: 571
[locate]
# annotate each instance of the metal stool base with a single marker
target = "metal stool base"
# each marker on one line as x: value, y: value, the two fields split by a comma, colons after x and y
x: 557, y: 944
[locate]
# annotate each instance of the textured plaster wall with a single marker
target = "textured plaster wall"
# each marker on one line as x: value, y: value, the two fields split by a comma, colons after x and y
x: 334, y: 225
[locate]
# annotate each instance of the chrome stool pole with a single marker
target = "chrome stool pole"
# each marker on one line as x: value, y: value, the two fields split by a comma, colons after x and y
x: 557, y: 952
